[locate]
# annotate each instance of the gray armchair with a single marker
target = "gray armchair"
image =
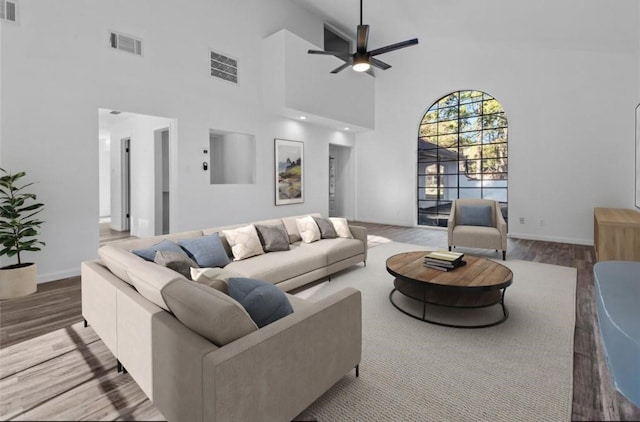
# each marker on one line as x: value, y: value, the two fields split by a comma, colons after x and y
x: 477, y: 223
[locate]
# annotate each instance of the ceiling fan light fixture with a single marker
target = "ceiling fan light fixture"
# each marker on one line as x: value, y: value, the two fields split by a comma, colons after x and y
x: 363, y: 59
x: 361, y: 64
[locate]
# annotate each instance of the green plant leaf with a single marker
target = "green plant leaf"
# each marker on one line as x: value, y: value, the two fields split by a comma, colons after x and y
x: 18, y: 227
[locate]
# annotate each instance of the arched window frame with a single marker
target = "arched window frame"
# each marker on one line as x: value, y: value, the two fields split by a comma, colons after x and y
x: 462, y: 153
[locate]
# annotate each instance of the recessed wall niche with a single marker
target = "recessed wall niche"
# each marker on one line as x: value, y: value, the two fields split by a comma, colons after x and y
x: 232, y: 158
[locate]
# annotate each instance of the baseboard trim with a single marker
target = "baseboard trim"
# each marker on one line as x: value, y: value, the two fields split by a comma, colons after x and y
x: 58, y: 275
x: 528, y: 236
x: 387, y: 222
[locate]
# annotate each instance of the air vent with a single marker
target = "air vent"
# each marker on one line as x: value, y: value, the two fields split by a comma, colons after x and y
x: 8, y: 10
x: 224, y: 67
x: 125, y: 43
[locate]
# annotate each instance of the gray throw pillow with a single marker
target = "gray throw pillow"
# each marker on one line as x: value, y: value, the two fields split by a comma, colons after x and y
x: 208, y: 312
x: 273, y: 237
x: 150, y: 253
x: 327, y: 231
x: 475, y: 215
x: 263, y: 301
x: 207, y: 251
x: 176, y: 261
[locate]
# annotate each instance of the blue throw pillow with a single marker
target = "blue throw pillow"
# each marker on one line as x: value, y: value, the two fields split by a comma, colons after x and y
x: 207, y: 251
x: 475, y: 215
x: 263, y: 301
x: 150, y: 253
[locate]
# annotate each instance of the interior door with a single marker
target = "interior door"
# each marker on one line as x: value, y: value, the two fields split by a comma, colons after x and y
x: 126, y: 184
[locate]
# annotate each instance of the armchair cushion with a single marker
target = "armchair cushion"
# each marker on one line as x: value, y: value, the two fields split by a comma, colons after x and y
x: 475, y: 215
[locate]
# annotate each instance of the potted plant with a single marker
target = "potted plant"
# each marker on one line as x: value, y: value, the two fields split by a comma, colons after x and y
x: 18, y: 230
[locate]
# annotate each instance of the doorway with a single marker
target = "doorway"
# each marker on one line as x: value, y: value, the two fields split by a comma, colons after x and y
x: 162, y: 194
x: 139, y: 172
x: 125, y: 178
x: 341, y: 189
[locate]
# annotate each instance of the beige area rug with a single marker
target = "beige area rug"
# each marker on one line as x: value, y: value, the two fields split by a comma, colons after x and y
x: 415, y: 371
x: 410, y: 370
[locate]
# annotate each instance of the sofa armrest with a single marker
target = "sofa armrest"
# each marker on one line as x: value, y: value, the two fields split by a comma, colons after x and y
x: 281, y: 369
x: 177, y: 368
x: 501, y: 225
x: 451, y: 223
x: 360, y: 233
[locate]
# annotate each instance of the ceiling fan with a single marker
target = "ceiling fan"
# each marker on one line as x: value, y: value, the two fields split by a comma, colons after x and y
x: 362, y: 60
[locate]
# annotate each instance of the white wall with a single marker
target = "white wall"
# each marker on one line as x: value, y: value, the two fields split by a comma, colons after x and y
x: 51, y: 91
x: 571, y: 131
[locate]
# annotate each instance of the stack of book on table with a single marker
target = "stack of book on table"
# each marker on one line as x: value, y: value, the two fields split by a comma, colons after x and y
x: 444, y: 260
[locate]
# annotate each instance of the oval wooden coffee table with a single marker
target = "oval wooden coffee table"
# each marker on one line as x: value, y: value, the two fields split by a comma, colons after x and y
x: 479, y: 284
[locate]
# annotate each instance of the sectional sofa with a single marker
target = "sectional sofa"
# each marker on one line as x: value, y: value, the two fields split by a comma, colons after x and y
x: 195, y: 351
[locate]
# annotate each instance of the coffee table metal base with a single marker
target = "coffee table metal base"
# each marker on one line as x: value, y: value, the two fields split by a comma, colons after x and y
x: 449, y: 298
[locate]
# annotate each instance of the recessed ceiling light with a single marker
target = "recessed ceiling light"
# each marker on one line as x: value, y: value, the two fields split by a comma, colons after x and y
x: 116, y: 112
x: 346, y: 128
x: 303, y: 117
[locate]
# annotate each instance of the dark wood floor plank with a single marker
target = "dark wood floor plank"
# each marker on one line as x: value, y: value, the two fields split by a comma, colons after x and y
x: 54, y: 305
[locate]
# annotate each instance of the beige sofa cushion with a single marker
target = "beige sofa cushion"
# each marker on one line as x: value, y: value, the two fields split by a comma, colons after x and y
x: 210, y: 313
x: 275, y: 267
x: 477, y: 237
x: 149, y: 279
x: 119, y: 260
x: 336, y: 249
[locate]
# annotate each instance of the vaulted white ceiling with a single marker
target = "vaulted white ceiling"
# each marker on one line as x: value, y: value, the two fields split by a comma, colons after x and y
x: 597, y: 25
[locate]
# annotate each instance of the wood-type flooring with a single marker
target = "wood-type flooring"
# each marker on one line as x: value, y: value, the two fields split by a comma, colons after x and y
x: 58, y: 304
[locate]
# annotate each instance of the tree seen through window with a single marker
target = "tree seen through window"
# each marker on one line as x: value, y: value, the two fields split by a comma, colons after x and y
x: 462, y: 153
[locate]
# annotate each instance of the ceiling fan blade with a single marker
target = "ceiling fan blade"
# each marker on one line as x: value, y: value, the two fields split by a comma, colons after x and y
x: 393, y: 47
x: 339, y: 54
x: 379, y: 63
x: 370, y: 72
x: 341, y: 67
x: 363, y: 38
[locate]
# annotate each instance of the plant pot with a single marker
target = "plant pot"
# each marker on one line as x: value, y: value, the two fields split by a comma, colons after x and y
x: 17, y: 281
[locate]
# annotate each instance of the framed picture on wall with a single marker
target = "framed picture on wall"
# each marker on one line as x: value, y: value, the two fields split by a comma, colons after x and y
x: 289, y: 171
x: 637, y: 186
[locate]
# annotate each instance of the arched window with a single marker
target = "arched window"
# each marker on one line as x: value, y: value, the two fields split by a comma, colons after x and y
x: 462, y: 153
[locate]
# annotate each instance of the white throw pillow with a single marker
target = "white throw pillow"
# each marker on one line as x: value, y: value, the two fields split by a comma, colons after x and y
x: 244, y: 242
x: 342, y: 227
x: 308, y: 229
x: 204, y: 275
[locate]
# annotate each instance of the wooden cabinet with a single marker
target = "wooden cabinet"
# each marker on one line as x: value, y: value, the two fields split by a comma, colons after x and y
x: 616, y: 234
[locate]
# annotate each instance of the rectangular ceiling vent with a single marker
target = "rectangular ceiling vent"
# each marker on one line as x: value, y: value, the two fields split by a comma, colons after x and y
x: 125, y: 43
x: 224, y: 67
x: 8, y: 10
